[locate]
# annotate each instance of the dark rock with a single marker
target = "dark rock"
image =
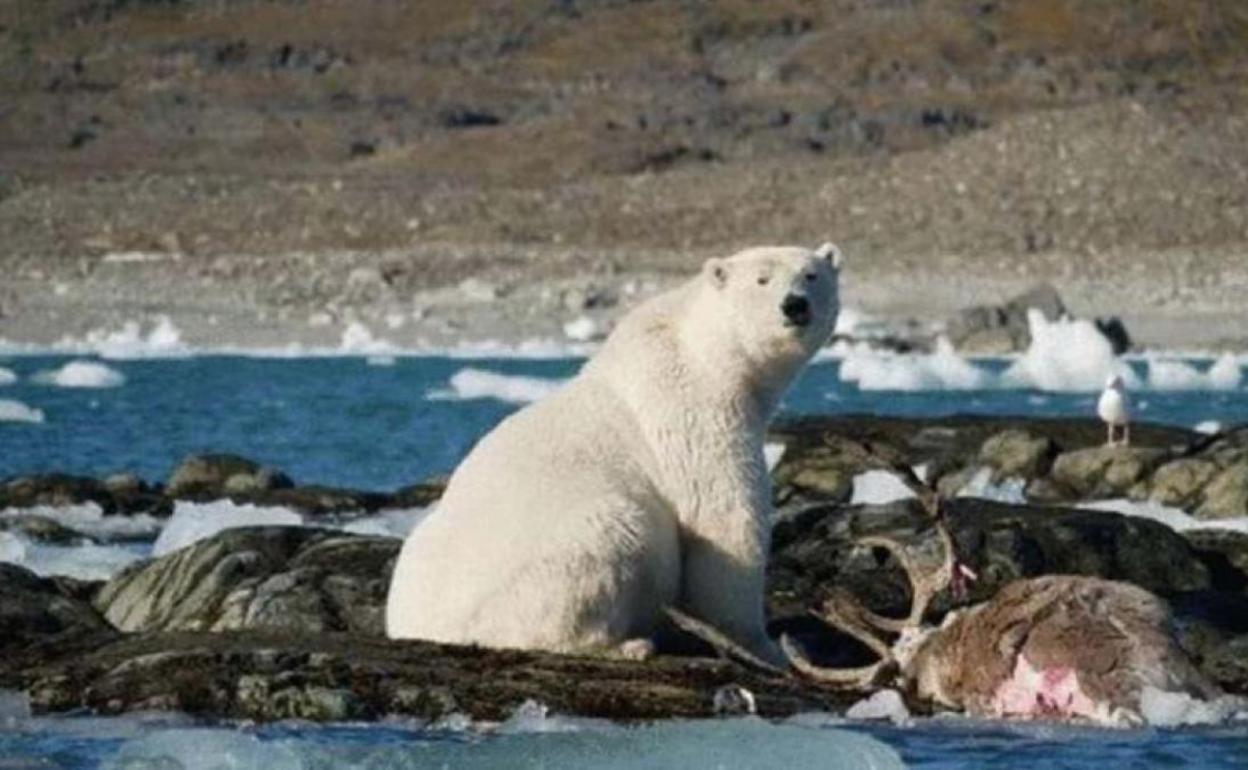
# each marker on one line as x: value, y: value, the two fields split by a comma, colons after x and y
x: 59, y: 489
x: 420, y: 495
x: 1003, y: 328
x: 288, y: 578
x: 814, y: 548
x: 1114, y: 330
x: 37, y: 611
x: 41, y: 529
x: 214, y: 476
x: 319, y: 501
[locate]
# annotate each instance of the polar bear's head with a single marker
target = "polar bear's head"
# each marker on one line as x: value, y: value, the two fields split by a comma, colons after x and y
x: 780, y: 301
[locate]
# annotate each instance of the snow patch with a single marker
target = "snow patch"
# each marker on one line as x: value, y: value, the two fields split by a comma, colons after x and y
x: 82, y: 374
x: 16, y: 411
x: 471, y: 383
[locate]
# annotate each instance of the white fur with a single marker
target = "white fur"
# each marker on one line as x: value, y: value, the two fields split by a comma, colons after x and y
x: 639, y: 484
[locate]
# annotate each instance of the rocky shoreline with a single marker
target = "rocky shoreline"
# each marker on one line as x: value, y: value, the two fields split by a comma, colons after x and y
x: 282, y: 622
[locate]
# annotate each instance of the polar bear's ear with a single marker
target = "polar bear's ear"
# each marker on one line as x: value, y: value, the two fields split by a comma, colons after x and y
x: 832, y: 253
x: 716, y: 271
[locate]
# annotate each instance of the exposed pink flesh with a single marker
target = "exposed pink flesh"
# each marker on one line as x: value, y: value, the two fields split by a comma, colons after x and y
x: 1052, y: 692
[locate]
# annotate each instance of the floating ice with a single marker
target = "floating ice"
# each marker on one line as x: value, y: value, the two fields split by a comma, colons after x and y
x: 395, y: 523
x: 82, y: 374
x: 1167, y: 374
x: 1175, y: 709
x: 1208, y: 427
x: 772, y: 454
x: 207, y: 749
x: 84, y: 562
x: 89, y: 519
x: 470, y: 383
x: 1007, y: 491
x: 16, y: 411
x: 192, y: 522
x: 583, y: 329
x: 1175, y: 518
x: 943, y: 369
x: 878, y: 487
x: 883, y: 704
x: 358, y: 338
x: 7, y: 376
x: 1066, y: 355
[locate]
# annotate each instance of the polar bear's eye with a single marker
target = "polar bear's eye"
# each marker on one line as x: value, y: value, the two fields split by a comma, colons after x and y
x: 812, y: 277
x: 763, y: 280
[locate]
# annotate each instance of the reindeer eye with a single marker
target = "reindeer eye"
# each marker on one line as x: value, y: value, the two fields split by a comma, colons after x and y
x: 763, y: 280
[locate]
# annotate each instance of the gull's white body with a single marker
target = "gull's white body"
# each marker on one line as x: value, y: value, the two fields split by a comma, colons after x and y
x: 1113, y: 409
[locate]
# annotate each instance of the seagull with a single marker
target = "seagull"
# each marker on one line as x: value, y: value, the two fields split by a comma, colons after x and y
x: 1112, y: 408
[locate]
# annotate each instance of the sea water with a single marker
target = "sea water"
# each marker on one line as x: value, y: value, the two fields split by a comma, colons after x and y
x: 382, y: 422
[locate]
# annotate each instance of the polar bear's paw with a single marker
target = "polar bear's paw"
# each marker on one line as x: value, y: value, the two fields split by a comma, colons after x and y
x: 637, y: 649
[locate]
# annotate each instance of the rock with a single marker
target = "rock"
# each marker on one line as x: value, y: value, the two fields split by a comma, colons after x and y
x: 290, y: 578
x: 316, y: 500
x: 1226, y: 495
x: 1003, y: 328
x: 35, y: 611
x: 817, y: 473
x: 1180, y: 482
x: 477, y: 290
x: 59, y: 489
x: 41, y: 529
x: 1114, y: 330
x: 213, y: 476
x: 813, y: 548
x: 1104, y: 471
x: 1018, y: 454
x: 126, y: 484
x: 420, y: 495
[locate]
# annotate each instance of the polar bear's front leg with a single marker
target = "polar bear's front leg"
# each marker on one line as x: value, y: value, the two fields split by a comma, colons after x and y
x: 723, y: 582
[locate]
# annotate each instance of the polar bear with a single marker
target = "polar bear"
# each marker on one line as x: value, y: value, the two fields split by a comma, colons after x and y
x: 639, y: 484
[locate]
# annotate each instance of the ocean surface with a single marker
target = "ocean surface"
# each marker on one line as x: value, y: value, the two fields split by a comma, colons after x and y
x: 386, y: 421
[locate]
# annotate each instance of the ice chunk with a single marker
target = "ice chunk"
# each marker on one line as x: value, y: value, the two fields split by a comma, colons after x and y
x: 192, y: 522
x: 772, y: 454
x: 884, y: 704
x: 1176, y: 709
x: 1007, y: 491
x: 394, y: 523
x: 878, y: 487
x: 206, y: 749
x: 89, y: 519
x: 84, y: 562
x: 16, y: 411
x: 943, y: 369
x: 1066, y: 355
x: 7, y: 376
x: 1175, y: 518
x: 1208, y: 427
x: 1166, y: 374
x: 470, y: 383
x: 82, y: 374
x: 358, y: 338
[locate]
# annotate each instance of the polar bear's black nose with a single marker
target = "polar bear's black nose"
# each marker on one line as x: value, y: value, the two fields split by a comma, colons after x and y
x: 796, y: 309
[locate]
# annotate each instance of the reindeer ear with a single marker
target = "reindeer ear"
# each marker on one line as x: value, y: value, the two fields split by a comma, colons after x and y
x: 832, y: 253
x: 716, y: 271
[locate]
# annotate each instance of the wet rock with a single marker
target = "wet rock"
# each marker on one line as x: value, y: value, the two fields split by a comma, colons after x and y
x: 1018, y: 454
x: 41, y: 529
x: 814, y: 548
x: 819, y: 472
x: 1114, y: 330
x: 215, y: 476
x: 59, y: 489
x: 317, y: 501
x: 1180, y: 482
x: 35, y: 610
x: 420, y: 495
x: 290, y: 578
x: 1226, y: 495
x: 1105, y: 471
x: 1003, y: 328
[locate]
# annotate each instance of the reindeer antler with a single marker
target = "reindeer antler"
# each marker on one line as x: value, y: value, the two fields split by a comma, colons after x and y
x: 845, y: 613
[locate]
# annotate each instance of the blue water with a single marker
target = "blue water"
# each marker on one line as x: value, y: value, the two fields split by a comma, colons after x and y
x: 344, y: 422
x: 735, y: 743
